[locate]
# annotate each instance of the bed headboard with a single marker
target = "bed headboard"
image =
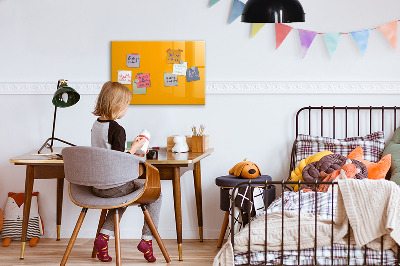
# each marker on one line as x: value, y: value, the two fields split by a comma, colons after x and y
x: 344, y: 121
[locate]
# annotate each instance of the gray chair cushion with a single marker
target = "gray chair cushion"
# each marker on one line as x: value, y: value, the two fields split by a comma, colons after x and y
x: 84, y: 196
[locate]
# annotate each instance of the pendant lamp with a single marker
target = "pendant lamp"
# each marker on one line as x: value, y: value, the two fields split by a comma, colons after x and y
x: 64, y: 96
x: 272, y: 11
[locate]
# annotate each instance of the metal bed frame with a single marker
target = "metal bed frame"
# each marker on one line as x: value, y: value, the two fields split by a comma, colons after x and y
x: 283, y: 184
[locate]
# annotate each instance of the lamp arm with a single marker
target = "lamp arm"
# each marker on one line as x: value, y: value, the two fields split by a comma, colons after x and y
x: 54, y: 126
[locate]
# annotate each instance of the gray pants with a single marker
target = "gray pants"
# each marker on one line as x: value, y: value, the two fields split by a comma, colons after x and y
x: 154, y: 208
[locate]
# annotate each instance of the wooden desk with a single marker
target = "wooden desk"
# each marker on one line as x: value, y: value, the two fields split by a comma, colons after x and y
x: 171, y: 167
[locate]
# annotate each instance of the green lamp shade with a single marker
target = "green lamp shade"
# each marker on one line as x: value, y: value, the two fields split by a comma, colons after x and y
x: 65, y: 96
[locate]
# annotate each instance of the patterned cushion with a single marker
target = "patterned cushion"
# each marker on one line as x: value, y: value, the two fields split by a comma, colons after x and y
x: 372, y: 144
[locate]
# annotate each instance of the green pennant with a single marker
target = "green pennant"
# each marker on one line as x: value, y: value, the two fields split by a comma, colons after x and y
x: 213, y: 2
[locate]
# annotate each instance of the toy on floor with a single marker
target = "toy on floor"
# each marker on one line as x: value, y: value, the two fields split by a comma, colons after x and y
x: 1, y: 219
x: 245, y: 169
x: 13, y: 215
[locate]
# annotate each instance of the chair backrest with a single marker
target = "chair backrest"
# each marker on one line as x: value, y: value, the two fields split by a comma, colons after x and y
x: 92, y: 166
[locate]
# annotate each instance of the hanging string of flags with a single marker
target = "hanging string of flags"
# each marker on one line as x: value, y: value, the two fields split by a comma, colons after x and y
x: 361, y: 37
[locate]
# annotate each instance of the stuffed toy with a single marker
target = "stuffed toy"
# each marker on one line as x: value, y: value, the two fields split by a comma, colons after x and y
x: 245, y: 169
x: 13, y: 215
x: 296, y: 174
x: 375, y: 170
x: 180, y: 144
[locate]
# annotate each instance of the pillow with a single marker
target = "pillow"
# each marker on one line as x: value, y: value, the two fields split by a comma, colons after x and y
x: 393, y: 148
x: 372, y: 144
x: 375, y: 170
x: 296, y: 174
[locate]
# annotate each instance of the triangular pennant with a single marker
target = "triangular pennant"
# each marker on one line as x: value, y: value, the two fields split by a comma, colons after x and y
x: 332, y: 41
x: 281, y: 31
x: 306, y: 39
x: 389, y: 30
x: 361, y: 37
x: 237, y: 9
x: 256, y: 27
x: 213, y: 2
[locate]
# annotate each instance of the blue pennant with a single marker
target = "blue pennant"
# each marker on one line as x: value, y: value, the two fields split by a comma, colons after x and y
x: 237, y: 9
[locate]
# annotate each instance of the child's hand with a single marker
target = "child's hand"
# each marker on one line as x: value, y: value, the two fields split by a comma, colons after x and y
x: 142, y: 155
x: 137, y: 144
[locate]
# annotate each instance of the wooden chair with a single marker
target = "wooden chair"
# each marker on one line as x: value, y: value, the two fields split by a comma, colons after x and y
x: 85, y: 167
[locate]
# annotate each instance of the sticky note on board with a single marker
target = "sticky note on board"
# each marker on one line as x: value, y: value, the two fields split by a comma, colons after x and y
x: 125, y: 76
x: 170, y: 79
x: 192, y: 74
x: 174, y: 56
x: 180, y: 69
x: 144, y: 80
x: 136, y: 90
x: 133, y: 60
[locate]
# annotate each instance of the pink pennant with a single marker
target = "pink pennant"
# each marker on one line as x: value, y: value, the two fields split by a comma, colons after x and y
x: 389, y: 30
x: 306, y: 39
x: 281, y: 31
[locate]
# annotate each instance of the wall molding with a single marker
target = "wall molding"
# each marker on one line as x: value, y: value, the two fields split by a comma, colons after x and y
x: 231, y: 87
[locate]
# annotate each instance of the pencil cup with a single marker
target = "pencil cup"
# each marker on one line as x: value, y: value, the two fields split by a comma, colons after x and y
x: 200, y: 143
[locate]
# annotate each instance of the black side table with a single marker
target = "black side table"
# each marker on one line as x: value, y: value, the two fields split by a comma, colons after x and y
x: 226, y: 183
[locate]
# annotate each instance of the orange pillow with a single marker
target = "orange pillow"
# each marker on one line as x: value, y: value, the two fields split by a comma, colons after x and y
x: 375, y: 170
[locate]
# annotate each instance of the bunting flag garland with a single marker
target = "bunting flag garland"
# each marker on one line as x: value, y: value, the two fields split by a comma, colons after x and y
x: 237, y: 9
x: 213, y: 2
x: 306, y: 39
x: 332, y: 41
x: 281, y: 31
x: 361, y: 37
x: 256, y: 27
x: 389, y: 30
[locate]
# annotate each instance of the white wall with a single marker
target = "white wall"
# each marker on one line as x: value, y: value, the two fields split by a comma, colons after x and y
x: 42, y: 41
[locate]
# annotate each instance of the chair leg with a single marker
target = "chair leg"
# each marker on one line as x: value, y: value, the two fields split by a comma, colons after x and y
x: 101, y: 222
x: 117, y: 239
x: 73, y: 237
x: 223, y: 229
x: 154, y: 230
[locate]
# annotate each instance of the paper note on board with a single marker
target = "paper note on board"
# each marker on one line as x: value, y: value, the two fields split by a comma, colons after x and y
x: 192, y: 74
x: 124, y: 76
x: 144, y: 80
x: 136, y: 90
x: 170, y: 79
x: 133, y: 60
x: 180, y: 69
x: 173, y: 56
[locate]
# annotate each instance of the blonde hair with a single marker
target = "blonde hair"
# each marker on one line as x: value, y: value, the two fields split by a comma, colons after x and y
x: 112, y: 99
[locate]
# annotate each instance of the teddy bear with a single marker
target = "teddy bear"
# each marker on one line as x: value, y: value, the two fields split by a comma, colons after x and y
x: 180, y: 144
x: 13, y: 215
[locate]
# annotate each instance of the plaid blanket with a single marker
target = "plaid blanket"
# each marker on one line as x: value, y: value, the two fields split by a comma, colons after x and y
x: 323, y: 205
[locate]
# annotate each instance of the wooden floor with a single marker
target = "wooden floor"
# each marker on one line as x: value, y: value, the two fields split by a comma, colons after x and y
x: 50, y: 252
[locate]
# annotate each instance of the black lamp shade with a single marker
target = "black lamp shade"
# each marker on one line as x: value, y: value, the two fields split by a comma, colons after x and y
x: 273, y: 11
x: 65, y: 96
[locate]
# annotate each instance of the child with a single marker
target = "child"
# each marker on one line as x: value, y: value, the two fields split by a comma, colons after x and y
x: 112, y: 103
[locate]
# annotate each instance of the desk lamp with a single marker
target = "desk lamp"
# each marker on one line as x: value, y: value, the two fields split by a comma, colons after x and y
x: 64, y: 96
x: 272, y: 11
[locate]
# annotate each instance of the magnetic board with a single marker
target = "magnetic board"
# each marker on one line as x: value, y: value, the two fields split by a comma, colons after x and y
x: 148, y: 69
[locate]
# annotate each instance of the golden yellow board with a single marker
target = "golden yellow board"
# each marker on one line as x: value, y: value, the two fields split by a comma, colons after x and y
x: 157, y: 59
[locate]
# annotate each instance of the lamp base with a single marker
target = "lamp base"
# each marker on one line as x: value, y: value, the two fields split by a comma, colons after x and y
x: 50, y: 146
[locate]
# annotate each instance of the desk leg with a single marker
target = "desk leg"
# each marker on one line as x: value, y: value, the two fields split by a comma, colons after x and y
x: 60, y: 190
x: 199, y: 204
x: 27, y: 206
x: 176, y: 182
